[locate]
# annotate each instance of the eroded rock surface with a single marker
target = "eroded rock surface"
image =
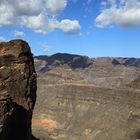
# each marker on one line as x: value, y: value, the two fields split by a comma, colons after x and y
x: 17, y: 90
x: 80, y: 98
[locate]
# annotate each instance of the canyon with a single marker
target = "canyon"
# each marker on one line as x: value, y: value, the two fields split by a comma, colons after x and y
x: 82, y: 98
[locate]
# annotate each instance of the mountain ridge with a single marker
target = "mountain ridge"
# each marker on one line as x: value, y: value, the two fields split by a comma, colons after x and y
x: 64, y: 58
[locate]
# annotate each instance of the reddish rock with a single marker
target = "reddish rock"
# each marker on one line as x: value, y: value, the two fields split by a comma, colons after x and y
x: 17, y: 90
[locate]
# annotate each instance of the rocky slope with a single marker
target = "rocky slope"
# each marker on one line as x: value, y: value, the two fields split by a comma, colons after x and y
x: 17, y: 90
x: 102, y: 72
x: 130, y: 61
x: 81, y: 98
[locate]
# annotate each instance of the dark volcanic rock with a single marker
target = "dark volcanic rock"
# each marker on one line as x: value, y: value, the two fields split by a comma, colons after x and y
x: 17, y: 90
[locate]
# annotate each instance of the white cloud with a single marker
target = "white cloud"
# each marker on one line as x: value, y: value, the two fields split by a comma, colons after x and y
x: 19, y: 34
x: 38, y: 23
x: 2, y: 39
x: 38, y: 15
x: 125, y: 13
x: 70, y: 27
x: 55, y: 6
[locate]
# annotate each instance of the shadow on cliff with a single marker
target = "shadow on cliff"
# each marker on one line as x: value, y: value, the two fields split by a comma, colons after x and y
x: 20, y: 123
x: 17, y: 125
x: 34, y: 138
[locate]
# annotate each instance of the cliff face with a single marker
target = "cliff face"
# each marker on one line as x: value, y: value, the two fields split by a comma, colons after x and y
x: 17, y: 90
x: 86, y: 99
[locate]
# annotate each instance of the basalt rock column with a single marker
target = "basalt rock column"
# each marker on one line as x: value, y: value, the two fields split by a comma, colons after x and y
x: 17, y: 90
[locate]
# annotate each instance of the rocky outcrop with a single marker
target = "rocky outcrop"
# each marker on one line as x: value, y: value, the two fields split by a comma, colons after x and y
x: 17, y: 90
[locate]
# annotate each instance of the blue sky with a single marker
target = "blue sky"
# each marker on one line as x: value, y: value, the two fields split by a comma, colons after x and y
x: 95, y: 28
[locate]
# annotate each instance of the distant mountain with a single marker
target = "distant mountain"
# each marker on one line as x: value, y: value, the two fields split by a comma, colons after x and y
x: 45, y: 63
x: 135, y: 62
x: 102, y: 71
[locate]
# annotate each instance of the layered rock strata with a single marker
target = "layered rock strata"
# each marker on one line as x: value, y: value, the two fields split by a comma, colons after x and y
x: 81, y: 98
